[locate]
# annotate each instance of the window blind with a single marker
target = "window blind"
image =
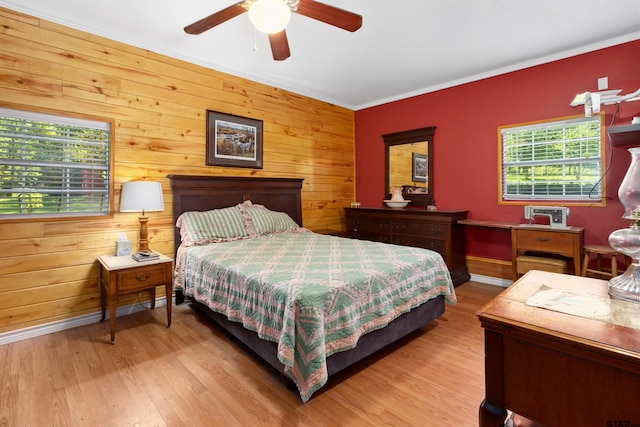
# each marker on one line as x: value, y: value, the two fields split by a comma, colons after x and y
x: 557, y: 160
x: 53, y: 165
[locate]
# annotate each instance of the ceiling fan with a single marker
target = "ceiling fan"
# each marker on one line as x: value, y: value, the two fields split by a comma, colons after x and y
x: 263, y: 14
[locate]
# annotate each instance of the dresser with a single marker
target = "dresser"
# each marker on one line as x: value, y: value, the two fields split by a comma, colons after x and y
x: 438, y: 231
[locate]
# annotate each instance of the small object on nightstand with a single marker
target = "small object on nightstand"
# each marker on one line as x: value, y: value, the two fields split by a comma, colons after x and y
x: 123, y: 275
x: 123, y: 246
x: 142, y: 256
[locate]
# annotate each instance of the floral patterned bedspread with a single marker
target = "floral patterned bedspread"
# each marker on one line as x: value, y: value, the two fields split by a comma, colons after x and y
x: 314, y: 295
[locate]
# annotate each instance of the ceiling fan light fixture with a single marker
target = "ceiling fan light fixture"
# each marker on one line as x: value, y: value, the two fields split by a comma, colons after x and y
x: 270, y: 16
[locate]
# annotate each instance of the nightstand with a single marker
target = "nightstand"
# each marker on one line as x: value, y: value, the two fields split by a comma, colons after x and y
x: 121, y: 275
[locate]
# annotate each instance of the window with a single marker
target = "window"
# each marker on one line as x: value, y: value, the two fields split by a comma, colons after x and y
x: 555, y: 160
x: 53, y: 166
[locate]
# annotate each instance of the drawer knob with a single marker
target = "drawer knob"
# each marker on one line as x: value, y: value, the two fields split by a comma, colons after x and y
x: 543, y: 239
x: 143, y: 279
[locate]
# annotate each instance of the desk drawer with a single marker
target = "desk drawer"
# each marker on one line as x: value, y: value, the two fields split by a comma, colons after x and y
x: 545, y: 241
x: 141, y: 278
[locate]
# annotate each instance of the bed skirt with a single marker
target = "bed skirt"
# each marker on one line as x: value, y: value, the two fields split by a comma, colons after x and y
x: 367, y: 344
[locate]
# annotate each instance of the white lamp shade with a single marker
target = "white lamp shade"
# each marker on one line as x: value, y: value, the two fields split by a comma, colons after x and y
x: 269, y: 16
x: 140, y: 196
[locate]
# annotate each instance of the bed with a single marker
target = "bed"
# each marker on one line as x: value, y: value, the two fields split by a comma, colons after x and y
x: 305, y: 342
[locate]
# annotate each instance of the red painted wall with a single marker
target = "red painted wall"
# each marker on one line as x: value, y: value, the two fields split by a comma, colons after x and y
x: 466, y: 142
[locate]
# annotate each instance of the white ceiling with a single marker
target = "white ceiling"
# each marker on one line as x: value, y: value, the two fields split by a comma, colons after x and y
x: 404, y: 48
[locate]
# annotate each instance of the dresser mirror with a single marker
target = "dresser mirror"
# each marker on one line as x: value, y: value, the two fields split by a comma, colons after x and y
x: 408, y: 164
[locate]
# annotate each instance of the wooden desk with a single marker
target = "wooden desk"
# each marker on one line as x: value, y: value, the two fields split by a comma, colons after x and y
x: 567, y: 242
x: 556, y: 368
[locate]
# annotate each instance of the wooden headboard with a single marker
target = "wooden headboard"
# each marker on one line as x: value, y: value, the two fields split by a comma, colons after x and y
x: 203, y: 193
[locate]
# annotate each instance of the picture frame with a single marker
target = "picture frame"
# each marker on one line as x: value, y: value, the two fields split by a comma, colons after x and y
x: 233, y: 141
x: 419, y: 167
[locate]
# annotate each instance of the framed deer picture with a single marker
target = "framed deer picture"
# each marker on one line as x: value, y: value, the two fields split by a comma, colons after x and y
x: 233, y: 141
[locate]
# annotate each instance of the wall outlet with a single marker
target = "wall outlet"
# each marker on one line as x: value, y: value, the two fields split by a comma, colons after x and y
x: 603, y: 83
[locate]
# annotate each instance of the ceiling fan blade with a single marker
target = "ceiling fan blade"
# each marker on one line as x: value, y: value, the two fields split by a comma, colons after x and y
x: 216, y: 19
x: 279, y: 45
x: 330, y: 15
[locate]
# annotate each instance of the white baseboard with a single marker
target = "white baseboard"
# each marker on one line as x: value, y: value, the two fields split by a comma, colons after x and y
x: 491, y: 280
x: 74, y: 322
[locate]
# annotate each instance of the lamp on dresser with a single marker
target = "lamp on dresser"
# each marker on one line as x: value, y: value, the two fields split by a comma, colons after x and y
x: 142, y: 196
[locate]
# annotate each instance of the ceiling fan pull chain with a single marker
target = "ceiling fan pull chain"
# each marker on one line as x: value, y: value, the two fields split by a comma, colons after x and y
x: 255, y: 40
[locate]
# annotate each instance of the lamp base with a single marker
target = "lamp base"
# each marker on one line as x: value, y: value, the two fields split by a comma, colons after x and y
x: 627, y: 242
x: 627, y: 285
x: 144, y: 234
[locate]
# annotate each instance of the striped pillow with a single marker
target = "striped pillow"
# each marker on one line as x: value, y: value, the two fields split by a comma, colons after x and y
x: 260, y: 220
x: 218, y: 225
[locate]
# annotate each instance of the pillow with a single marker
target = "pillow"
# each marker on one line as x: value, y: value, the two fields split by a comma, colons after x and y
x: 260, y: 220
x: 218, y: 225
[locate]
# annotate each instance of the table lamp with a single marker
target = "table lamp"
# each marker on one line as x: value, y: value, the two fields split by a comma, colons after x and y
x: 141, y: 196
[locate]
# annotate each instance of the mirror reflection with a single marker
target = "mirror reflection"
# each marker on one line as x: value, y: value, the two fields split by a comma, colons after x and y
x: 409, y: 165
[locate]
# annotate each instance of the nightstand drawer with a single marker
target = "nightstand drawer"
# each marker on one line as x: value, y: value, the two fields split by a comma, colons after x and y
x: 141, y: 277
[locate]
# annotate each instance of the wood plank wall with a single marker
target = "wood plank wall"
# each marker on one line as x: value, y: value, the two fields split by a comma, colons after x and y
x: 48, y: 269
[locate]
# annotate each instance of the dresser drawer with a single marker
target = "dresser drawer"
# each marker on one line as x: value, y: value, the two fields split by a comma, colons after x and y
x: 370, y: 225
x: 141, y: 278
x: 369, y: 235
x: 420, y: 229
x: 545, y: 241
x: 436, y: 245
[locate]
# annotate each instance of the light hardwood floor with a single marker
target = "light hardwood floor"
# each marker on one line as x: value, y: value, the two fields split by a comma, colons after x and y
x: 192, y: 375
